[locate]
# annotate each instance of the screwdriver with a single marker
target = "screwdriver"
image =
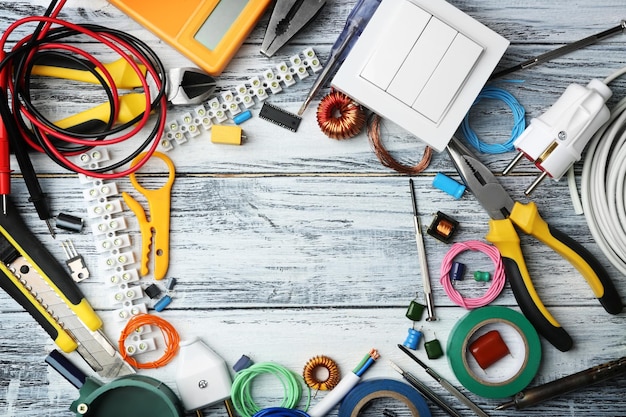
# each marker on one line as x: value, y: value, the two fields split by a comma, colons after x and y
x: 356, y: 22
x: 563, y: 50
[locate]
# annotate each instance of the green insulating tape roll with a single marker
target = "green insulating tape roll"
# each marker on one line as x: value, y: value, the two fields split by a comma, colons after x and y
x: 526, y: 342
x: 373, y: 389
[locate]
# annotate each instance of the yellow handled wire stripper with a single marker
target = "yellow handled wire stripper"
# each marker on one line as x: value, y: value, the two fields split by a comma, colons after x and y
x: 157, y: 229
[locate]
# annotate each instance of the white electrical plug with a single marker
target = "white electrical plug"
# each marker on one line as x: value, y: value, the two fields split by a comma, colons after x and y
x: 557, y: 138
x: 202, y: 377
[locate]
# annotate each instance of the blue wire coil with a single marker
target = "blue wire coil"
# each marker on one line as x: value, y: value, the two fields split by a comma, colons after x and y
x: 519, y: 121
x: 280, y: 412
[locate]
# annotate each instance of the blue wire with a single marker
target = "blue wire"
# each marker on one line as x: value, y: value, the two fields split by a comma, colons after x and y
x: 280, y: 412
x: 519, y: 121
x: 365, y: 367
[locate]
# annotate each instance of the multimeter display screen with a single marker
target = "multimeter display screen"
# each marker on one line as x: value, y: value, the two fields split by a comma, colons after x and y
x: 219, y: 21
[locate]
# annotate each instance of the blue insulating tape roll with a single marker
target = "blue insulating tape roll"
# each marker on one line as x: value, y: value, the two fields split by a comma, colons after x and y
x: 373, y: 389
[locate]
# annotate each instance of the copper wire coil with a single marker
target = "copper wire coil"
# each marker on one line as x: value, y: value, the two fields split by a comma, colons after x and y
x: 385, y: 157
x: 311, y: 368
x: 339, y: 116
x: 444, y: 227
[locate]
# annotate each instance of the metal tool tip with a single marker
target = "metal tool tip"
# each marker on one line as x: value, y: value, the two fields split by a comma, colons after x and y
x: 504, y: 406
x: 50, y: 229
x: 396, y: 367
x: 4, y: 204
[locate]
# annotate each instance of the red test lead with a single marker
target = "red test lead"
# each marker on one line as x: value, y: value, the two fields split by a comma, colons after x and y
x: 5, y: 161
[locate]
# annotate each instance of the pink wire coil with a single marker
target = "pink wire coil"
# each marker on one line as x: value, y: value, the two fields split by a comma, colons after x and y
x: 497, y: 283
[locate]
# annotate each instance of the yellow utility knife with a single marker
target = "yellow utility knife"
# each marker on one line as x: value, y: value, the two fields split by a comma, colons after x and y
x: 38, y: 282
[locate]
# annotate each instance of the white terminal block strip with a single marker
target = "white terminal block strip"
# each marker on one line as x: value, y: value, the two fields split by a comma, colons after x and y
x: 421, y: 64
x: 113, y: 243
x: 228, y: 104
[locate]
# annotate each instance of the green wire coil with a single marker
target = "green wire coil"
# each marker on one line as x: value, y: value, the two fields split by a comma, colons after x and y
x: 241, y: 390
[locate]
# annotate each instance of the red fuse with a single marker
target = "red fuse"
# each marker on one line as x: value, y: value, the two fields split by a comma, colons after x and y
x: 489, y: 349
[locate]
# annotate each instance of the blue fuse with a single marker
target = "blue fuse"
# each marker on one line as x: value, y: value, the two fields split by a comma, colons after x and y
x: 457, y: 271
x: 447, y: 184
x: 242, y: 117
x: 413, y: 339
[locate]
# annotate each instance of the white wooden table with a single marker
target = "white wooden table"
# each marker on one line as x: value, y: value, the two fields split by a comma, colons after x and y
x: 296, y: 245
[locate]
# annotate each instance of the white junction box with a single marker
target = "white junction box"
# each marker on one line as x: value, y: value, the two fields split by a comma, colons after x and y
x: 421, y: 64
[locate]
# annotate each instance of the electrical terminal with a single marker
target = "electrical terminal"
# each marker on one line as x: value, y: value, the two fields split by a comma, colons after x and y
x: 100, y: 191
x: 118, y: 260
x: 110, y: 225
x: 138, y: 346
x: 107, y: 207
x: 228, y: 104
x: 555, y: 140
x: 93, y: 159
x: 127, y: 293
x: 127, y: 276
x: 130, y: 310
x: 116, y: 242
x: 76, y: 263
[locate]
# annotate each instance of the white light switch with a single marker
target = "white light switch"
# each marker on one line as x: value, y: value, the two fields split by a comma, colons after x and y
x: 421, y: 65
x: 394, y: 43
x: 449, y: 76
x: 421, y: 62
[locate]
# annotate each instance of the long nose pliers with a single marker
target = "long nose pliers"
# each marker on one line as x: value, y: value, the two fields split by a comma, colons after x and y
x: 506, y: 213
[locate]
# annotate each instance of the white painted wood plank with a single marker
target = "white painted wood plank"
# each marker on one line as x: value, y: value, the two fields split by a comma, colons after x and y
x: 300, y: 231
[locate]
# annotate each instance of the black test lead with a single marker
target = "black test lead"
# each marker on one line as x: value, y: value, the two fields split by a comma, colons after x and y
x: 421, y: 251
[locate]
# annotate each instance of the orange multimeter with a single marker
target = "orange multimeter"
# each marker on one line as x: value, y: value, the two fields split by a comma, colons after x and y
x: 209, y: 32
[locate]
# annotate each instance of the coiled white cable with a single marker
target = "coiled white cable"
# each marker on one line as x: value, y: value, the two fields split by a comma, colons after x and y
x: 602, y: 184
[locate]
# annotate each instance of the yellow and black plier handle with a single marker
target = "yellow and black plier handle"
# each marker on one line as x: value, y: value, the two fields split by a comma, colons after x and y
x: 503, y: 235
x: 505, y: 215
x: 96, y: 118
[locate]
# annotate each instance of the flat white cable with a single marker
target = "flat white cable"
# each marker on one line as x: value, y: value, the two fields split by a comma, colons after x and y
x: 602, y: 184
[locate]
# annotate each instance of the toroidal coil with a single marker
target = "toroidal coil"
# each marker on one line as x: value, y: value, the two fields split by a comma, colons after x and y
x: 311, y: 371
x: 383, y: 389
x: 510, y: 374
